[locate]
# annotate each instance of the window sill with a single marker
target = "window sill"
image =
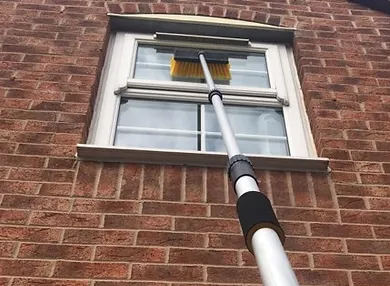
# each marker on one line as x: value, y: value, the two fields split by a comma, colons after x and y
x: 87, y: 152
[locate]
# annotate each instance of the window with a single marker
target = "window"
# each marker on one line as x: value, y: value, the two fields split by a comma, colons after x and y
x: 144, y: 111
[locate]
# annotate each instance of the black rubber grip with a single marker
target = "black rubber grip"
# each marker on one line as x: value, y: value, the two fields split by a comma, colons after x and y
x: 214, y: 92
x: 239, y: 166
x: 255, y: 211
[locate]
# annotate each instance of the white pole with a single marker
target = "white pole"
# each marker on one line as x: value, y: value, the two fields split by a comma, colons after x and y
x: 271, y: 258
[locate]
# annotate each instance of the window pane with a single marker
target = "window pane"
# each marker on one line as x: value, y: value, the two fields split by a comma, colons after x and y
x: 157, y: 124
x: 176, y: 125
x: 157, y: 114
x: 149, y: 139
x: 214, y: 143
x: 247, y: 69
x: 258, y: 130
x: 249, y: 120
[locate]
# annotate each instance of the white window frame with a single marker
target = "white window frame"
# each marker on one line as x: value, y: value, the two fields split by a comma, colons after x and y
x: 117, y: 81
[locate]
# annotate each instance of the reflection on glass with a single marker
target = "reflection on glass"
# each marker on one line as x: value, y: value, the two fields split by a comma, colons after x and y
x: 247, y: 69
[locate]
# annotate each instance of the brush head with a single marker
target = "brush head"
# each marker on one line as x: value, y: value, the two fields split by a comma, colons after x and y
x: 193, y: 56
x: 186, y: 64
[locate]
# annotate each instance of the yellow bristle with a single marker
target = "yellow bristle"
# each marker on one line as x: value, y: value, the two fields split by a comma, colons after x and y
x: 194, y: 70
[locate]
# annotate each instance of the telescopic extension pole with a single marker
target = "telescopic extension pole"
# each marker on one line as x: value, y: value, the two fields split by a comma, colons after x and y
x: 262, y: 232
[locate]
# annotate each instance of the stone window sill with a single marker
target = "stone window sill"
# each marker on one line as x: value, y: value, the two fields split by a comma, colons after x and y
x: 87, y: 152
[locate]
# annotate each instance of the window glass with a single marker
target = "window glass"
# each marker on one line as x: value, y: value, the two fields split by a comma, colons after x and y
x: 157, y: 124
x: 246, y: 69
x: 258, y: 130
x: 178, y: 126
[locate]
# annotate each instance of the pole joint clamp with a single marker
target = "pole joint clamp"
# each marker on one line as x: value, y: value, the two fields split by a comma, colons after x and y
x: 239, y: 166
x: 214, y: 92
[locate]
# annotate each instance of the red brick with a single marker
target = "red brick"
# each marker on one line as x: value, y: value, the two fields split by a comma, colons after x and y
x: 85, y: 179
x: 53, y: 189
x: 279, y: 186
x: 351, y: 203
x: 66, y: 139
x: 30, y: 234
x: 233, y: 275
x: 14, y: 187
x: 306, y: 215
x: 104, y: 206
x: 369, y: 167
x: 137, y: 222
x: 223, y: 211
x: 49, y: 150
x: 379, y: 204
x: 13, y: 216
x: 194, y: 185
x: 380, y: 179
x: 313, y: 244
x: 61, y: 163
x: 338, y: 261
x: 26, y: 49
x: 90, y: 270
x: 38, y: 203
x: 300, y: 189
x: 207, y: 225
x: 130, y: 254
x: 108, y: 181
x: 293, y: 228
x: 382, y: 231
x: 322, y: 277
x: 362, y: 190
x: 11, y: 124
x: 38, y: 282
x: 344, y: 177
x: 166, y: 273
x: 64, y: 219
x: 41, y: 175
x: 54, y: 251
x: 172, y: 183
x: 215, y: 185
x: 365, y: 217
x: 133, y: 283
x: 58, y: 127
x: 340, y: 230
x: 26, y: 137
x: 157, y: 208
x: 368, y: 246
x: 32, y: 268
x: 130, y: 181
x: 382, y: 146
x: 170, y: 239
x: 7, y: 249
x: 93, y: 236
x: 370, y: 278
x: 197, y: 256
x: 371, y: 156
x: 229, y: 241
x: 152, y: 182
x: 386, y: 262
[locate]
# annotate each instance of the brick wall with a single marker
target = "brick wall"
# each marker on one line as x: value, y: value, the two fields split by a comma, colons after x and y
x: 69, y: 223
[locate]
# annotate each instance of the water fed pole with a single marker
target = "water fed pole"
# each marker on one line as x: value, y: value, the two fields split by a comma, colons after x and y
x: 262, y: 232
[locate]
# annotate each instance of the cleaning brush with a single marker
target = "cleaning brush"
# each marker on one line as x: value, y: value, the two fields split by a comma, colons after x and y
x: 186, y: 64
